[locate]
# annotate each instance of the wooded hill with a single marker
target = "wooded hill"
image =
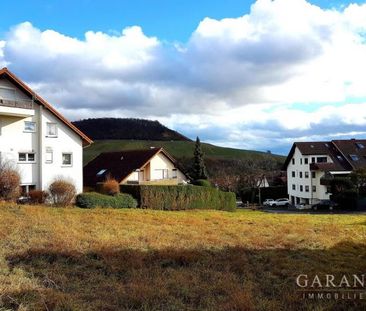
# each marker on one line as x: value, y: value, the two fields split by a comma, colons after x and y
x: 138, y: 129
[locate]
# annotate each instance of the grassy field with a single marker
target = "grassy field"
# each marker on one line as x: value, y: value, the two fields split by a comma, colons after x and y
x: 177, y: 149
x: 103, y: 259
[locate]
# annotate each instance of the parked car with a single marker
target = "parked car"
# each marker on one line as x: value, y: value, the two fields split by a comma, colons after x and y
x: 324, y: 205
x: 268, y: 202
x: 281, y: 202
x: 302, y: 206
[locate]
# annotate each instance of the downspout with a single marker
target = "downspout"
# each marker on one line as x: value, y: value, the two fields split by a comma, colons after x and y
x: 311, y: 186
x: 40, y: 147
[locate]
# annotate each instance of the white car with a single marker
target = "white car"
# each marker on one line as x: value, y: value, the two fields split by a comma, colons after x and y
x: 281, y: 202
x: 268, y: 202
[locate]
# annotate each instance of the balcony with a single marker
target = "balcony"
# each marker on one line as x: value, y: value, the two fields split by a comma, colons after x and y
x: 16, y: 107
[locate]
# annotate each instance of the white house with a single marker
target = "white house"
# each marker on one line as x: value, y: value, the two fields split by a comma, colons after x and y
x: 36, y: 138
x: 152, y: 166
x: 310, y: 164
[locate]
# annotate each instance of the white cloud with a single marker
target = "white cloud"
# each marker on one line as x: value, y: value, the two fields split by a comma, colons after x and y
x: 232, y: 74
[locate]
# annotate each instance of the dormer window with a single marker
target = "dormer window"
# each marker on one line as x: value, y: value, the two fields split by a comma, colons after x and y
x: 101, y: 172
x: 354, y: 157
x: 360, y: 146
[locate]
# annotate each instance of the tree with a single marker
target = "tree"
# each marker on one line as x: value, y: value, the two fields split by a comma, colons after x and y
x: 9, y: 181
x: 358, y: 178
x: 199, y: 168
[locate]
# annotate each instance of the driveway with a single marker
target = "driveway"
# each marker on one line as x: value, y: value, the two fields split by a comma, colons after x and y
x: 309, y: 211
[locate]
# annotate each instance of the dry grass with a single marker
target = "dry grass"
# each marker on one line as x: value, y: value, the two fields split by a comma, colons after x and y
x: 104, y: 259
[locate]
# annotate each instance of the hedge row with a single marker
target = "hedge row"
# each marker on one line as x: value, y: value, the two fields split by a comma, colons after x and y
x: 94, y: 199
x: 181, y: 197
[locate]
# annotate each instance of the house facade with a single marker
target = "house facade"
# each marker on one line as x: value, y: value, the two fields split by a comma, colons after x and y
x: 310, y: 164
x: 36, y: 138
x: 148, y: 167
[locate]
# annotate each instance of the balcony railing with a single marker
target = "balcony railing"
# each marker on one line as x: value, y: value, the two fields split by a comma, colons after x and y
x: 21, y: 103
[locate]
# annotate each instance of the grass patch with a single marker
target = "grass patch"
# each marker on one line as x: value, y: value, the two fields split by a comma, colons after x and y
x: 106, y: 259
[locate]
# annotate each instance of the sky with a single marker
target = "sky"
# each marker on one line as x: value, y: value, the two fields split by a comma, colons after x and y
x: 244, y: 74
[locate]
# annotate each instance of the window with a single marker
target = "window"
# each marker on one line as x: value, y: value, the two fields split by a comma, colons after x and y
x: 67, y: 159
x: 321, y: 159
x: 293, y: 173
x: 31, y: 157
x: 29, y: 127
x: 306, y: 174
x: 293, y: 160
x: 25, y: 157
x: 49, y: 155
x: 51, y: 130
x: 174, y: 173
x: 25, y: 189
x: 161, y: 174
x: 360, y: 146
x: 313, y: 174
x: 339, y: 158
x: 354, y: 157
x: 301, y: 188
x: 300, y: 161
x: 306, y: 188
x: 313, y: 160
x: 300, y: 174
x: 314, y: 188
x: 7, y: 93
x: 293, y: 187
x: 306, y: 160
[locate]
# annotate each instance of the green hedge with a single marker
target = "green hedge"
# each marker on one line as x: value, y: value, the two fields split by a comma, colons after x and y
x: 181, y: 197
x: 94, y: 199
x: 202, y: 182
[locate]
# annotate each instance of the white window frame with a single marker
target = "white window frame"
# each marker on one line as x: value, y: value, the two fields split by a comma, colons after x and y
x: 71, y: 159
x: 49, y: 152
x: 48, y: 132
x: 27, y: 130
x: 27, y: 157
x: 163, y: 173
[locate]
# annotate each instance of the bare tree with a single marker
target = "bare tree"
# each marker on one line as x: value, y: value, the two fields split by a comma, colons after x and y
x: 9, y: 180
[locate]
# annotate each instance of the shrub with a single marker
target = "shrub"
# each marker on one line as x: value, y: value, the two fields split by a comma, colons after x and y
x: 181, y: 197
x: 110, y: 187
x: 202, y: 182
x: 94, y: 199
x: 9, y: 182
x: 37, y: 196
x: 62, y: 192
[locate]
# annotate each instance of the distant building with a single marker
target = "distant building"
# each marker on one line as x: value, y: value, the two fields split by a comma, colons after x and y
x: 310, y: 164
x: 149, y: 167
x: 37, y: 138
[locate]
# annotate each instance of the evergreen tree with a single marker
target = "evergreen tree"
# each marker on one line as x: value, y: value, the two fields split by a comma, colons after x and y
x: 199, y: 169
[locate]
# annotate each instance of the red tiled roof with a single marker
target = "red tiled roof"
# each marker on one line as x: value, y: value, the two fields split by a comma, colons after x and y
x: 118, y: 165
x: 44, y: 103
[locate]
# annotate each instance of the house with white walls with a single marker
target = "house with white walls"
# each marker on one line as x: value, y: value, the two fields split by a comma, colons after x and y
x: 310, y: 165
x: 36, y: 138
x: 152, y: 166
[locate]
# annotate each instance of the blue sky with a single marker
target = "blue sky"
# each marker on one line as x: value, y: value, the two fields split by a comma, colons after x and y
x: 168, y: 19
x: 246, y: 74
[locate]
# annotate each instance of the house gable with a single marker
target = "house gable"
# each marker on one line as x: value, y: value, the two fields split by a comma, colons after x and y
x: 27, y: 93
